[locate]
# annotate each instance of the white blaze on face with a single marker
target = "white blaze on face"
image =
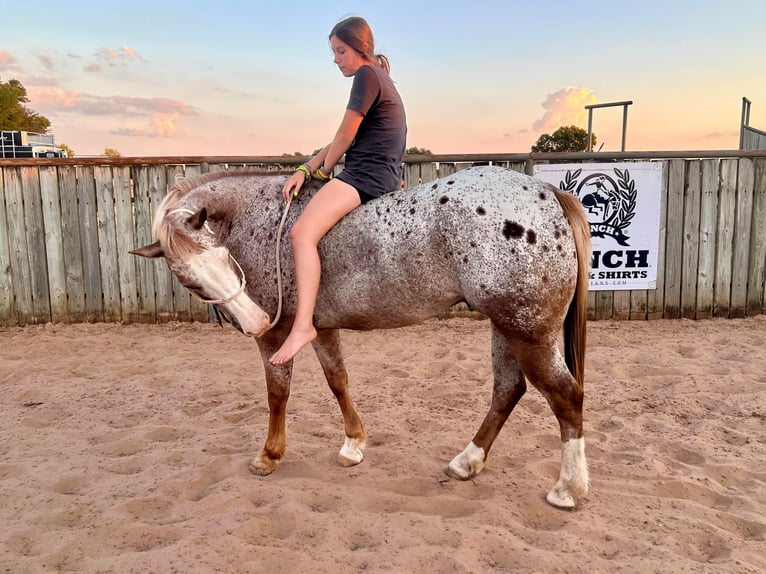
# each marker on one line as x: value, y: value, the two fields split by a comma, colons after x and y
x: 220, y: 280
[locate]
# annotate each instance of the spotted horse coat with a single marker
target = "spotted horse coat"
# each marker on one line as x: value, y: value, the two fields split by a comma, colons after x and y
x: 514, y: 248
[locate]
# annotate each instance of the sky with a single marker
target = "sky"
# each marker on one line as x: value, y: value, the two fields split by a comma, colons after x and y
x: 223, y: 78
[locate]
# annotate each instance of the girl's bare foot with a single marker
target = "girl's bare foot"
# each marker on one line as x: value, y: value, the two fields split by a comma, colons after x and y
x: 296, y: 340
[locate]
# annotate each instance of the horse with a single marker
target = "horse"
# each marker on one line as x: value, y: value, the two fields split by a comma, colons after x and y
x: 514, y: 248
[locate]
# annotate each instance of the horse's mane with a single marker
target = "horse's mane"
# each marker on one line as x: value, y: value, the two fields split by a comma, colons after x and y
x: 176, y: 241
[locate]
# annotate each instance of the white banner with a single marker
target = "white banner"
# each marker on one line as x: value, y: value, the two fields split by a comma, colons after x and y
x: 623, y: 205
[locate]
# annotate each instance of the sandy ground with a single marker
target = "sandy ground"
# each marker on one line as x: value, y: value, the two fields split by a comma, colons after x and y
x: 125, y: 449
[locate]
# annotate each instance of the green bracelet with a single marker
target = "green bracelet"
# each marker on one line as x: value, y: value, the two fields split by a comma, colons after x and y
x: 306, y: 172
x: 321, y: 175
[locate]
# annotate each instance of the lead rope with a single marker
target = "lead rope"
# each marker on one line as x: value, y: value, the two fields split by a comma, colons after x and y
x: 279, y: 266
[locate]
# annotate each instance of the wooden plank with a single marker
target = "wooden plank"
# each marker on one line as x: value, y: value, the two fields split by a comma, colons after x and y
x: 591, y: 313
x: 126, y: 263
x: 707, y: 238
x: 691, y: 236
x: 638, y: 304
x: 655, y: 297
x: 163, y: 278
x: 107, y: 240
x: 71, y: 244
x: 54, y: 242
x: 604, y: 304
x: 621, y: 305
x: 147, y: 306
x: 727, y: 200
x: 742, y: 225
x: 7, y: 313
x: 35, y: 228
x: 411, y: 174
x: 17, y: 247
x: 427, y: 172
x: 674, y: 239
x: 181, y: 297
x: 87, y: 208
x: 756, y: 281
x: 446, y: 169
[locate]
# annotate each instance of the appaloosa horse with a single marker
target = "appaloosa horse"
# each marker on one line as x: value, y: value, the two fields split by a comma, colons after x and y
x: 515, y: 248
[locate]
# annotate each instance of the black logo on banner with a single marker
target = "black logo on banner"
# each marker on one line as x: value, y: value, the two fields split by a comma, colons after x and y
x: 611, y: 205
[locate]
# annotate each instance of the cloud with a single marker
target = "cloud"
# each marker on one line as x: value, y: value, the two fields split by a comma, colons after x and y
x: 114, y: 56
x: 46, y: 61
x: 43, y: 81
x: 7, y: 62
x: 58, y: 100
x: 162, y: 125
x: 93, y: 68
x: 564, y: 108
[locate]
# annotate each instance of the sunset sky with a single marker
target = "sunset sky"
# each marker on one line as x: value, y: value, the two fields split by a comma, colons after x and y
x: 221, y: 77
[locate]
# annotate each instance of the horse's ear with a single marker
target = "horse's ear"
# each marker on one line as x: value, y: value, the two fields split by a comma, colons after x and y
x: 197, y: 220
x: 151, y: 251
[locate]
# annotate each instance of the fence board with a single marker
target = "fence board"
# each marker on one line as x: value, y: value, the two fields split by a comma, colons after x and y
x: 126, y: 263
x: 107, y: 241
x: 147, y: 306
x: 35, y: 229
x: 71, y: 244
x: 756, y: 296
x: 674, y: 233
x: 621, y: 305
x: 17, y: 248
x: 158, y: 188
x: 691, y: 238
x: 7, y: 315
x: 708, y: 239
x: 89, y: 241
x: 742, y: 222
x: 727, y: 197
x: 655, y: 297
x: 54, y: 242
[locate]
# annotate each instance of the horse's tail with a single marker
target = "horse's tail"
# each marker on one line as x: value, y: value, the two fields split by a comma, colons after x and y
x: 575, y: 323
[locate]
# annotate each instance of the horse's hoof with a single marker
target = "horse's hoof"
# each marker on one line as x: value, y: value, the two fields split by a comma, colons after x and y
x: 560, y: 497
x: 262, y: 466
x: 450, y: 472
x: 467, y: 464
x: 352, y: 452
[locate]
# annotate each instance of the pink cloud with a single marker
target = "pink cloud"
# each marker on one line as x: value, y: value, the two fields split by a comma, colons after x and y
x: 7, y: 62
x: 93, y: 68
x: 46, y: 61
x: 122, y: 55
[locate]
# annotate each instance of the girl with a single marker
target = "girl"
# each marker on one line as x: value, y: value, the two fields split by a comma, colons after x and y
x: 372, y: 135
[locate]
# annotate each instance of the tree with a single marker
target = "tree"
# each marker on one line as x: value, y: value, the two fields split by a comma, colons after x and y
x: 569, y: 138
x: 14, y: 116
x: 109, y: 152
x: 418, y: 151
x: 67, y: 150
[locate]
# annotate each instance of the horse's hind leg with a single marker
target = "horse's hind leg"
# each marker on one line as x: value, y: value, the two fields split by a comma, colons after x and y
x: 509, y: 387
x: 328, y: 351
x: 546, y: 370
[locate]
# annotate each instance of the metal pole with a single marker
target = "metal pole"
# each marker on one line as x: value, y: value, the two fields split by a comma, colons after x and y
x: 624, y: 125
x: 590, y: 123
x: 744, y: 121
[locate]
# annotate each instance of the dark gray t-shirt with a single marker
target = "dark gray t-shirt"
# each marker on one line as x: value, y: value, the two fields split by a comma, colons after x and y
x: 374, y: 161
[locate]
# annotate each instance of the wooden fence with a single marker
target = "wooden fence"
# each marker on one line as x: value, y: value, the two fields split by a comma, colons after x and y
x: 66, y: 227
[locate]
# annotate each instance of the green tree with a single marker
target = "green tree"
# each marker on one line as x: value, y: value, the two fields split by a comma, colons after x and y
x: 109, y: 152
x: 14, y: 115
x: 418, y: 151
x: 67, y: 150
x: 566, y: 138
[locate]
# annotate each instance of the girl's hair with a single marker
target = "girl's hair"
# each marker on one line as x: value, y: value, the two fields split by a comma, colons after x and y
x: 356, y: 32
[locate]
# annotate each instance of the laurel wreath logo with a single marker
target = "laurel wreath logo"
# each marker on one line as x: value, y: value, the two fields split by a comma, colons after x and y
x: 624, y: 200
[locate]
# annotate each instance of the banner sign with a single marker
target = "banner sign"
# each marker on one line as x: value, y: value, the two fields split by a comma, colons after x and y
x: 623, y: 205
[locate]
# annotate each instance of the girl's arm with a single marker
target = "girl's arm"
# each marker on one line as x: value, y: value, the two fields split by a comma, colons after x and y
x: 345, y: 135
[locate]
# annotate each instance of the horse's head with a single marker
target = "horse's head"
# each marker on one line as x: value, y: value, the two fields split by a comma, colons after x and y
x: 196, y: 257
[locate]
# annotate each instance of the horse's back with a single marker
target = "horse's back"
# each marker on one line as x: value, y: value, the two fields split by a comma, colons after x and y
x: 497, y: 238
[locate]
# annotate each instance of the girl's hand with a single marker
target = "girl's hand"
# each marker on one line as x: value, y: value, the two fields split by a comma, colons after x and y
x: 293, y: 185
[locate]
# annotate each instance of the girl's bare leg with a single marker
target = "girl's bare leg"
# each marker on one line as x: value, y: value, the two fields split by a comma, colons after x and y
x: 333, y: 201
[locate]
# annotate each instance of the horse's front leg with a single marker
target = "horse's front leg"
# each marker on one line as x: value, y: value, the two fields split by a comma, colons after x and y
x: 328, y: 351
x: 278, y: 387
